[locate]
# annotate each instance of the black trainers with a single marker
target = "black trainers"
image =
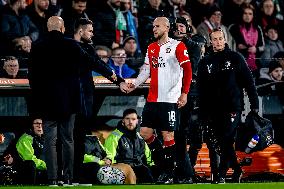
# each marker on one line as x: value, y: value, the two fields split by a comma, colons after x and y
x: 219, y: 180
x: 186, y: 181
x: 165, y: 178
x: 52, y: 183
x: 237, y: 176
x: 67, y: 183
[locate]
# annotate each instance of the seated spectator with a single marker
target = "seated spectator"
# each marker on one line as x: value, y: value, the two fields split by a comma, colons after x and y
x: 39, y: 11
x: 134, y: 58
x: 272, y: 45
x: 127, y: 146
x: 268, y: 14
x: 31, y: 166
x: 117, y: 63
x: 279, y: 57
x: 214, y: 21
x: 249, y: 38
x: 271, y: 86
x: 273, y: 77
x: 103, y: 52
x: 97, y: 158
x: 131, y: 21
x: 10, y: 68
x: 16, y: 28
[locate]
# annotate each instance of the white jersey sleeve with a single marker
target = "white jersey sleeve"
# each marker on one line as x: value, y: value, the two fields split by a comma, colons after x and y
x: 144, y: 72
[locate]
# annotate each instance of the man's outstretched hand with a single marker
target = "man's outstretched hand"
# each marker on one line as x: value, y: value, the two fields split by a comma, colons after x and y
x: 126, y: 87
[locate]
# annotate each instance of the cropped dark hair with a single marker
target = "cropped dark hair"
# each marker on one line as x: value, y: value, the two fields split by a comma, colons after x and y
x: 82, y: 22
x: 129, y: 111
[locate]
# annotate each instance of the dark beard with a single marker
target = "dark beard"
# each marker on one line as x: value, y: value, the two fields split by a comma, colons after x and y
x: 114, y: 6
x: 86, y: 41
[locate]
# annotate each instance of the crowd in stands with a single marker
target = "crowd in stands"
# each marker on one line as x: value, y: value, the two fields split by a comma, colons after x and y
x: 123, y: 29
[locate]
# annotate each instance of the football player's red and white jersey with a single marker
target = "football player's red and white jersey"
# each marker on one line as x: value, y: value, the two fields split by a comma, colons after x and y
x: 164, y: 62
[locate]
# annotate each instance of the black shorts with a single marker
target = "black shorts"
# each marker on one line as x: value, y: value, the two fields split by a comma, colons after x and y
x: 161, y: 116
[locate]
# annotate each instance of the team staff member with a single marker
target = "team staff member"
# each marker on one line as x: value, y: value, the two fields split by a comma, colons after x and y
x: 54, y: 77
x: 185, y: 170
x: 168, y: 64
x: 222, y: 76
x: 83, y: 34
x: 31, y: 166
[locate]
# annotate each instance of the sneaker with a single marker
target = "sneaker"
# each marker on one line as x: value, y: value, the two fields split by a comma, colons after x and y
x: 52, y: 183
x: 237, y: 176
x: 85, y: 184
x: 67, y: 183
x: 165, y: 179
x: 219, y: 180
x: 186, y: 181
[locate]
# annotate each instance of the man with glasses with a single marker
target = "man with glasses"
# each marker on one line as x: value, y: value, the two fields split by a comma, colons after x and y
x: 214, y: 20
x: 31, y: 165
x: 117, y: 63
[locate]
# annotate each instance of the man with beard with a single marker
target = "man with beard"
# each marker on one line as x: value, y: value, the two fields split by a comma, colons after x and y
x: 165, y: 57
x: 71, y: 13
x: 38, y: 11
x: 83, y: 33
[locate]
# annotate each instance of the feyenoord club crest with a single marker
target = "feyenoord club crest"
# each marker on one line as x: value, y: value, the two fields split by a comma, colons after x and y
x: 168, y: 50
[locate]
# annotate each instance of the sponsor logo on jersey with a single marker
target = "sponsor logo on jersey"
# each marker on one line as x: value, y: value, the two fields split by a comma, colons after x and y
x: 158, y: 62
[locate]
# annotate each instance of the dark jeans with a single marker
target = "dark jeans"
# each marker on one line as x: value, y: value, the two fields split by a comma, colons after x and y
x: 65, y: 128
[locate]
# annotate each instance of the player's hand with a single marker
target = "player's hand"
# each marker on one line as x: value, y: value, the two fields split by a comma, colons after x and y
x: 182, y: 100
x: 2, y: 138
x: 123, y: 87
x: 131, y: 87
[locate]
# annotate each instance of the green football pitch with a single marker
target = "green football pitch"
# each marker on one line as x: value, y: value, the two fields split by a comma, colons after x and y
x: 271, y: 185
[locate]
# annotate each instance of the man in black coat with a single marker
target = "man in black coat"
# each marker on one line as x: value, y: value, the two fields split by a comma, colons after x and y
x: 54, y: 76
x: 222, y: 76
x: 182, y: 32
x: 83, y: 33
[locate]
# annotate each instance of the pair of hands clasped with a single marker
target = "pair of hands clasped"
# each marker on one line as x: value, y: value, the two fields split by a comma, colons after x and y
x: 126, y: 87
x: 129, y: 87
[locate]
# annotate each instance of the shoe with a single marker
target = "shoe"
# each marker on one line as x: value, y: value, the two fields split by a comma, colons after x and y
x: 52, y: 183
x: 85, y: 184
x: 165, y: 179
x: 219, y: 180
x: 237, y: 176
x: 186, y: 181
x: 67, y: 183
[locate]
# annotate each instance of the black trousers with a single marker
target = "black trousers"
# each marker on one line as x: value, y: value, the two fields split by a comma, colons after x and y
x: 226, y: 128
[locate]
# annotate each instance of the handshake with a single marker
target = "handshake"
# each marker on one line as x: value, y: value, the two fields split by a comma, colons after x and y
x: 126, y: 87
